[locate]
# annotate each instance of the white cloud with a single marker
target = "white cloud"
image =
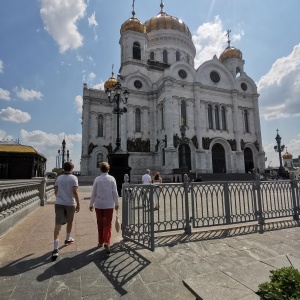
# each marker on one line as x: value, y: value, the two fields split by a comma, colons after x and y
x: 1, y: 66
x: 48, y: 144
x: 210, y: 40
x: 4, y: 95
x: 60, y: 19
x: 88, y: 78
x: 14, y: 115
x: 4, y: 136
x: 92, y: 20
x: 99, y: 86
x: 27, y: 95
x: 280, y: 88
x: 78, y: 104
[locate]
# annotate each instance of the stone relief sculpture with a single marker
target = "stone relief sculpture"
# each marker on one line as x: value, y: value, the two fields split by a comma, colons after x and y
x: 91, y: 148
x: 138, y: 145
x: 206, y: 143
x: 195, y: 142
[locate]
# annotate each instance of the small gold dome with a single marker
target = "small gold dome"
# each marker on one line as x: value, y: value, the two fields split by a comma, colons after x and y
x: 230, y: 52
x: 111, y: 82
x: 287, y: 155
x: 133, y: 24
x: 164, y: 21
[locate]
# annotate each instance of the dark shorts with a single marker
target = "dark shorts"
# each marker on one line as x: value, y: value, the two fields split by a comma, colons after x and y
x: 64, y: 214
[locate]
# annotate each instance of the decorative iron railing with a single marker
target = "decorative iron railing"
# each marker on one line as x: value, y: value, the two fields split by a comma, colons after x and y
x: 149, y: 209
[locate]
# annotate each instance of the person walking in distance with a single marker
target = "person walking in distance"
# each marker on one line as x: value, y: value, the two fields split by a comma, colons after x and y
x: 146, y: 178
x: 156, y: 180
x: 104, y: 198
x: 66, y: 204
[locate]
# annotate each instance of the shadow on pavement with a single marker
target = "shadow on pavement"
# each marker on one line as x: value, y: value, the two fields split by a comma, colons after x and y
x: 120, y: 267
x: 172, y: 240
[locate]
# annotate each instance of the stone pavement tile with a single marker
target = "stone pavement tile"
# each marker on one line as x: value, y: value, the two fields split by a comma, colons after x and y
x: 64, y: 289
x: 216, y: 286
x: 7, y: 286
x: 277, y: 262
x: 251, y: 275
x: 167, y: 289
x: 282, y: 248
x: 136, y: 289
x: 106, y: 293
x: 295, y: 261
x: 235, y: 243
x: 92, y: 285
x: 154, y: 273
x: 37, y: 291
x: 230, y: 259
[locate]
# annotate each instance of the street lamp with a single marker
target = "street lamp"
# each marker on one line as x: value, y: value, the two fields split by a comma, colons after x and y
x: 279, y: 148
x: 115, y: 95
x: 61, y: 154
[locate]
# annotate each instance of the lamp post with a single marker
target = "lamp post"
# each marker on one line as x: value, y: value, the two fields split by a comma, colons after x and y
x: 61, y: 154
x: 115, y: 95
x: 279, y: 148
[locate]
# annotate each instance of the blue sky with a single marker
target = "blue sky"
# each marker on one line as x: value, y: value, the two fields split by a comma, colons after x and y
x: 49, y: 48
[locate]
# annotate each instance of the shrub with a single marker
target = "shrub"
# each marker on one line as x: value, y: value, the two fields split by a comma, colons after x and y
x: 284, y: 285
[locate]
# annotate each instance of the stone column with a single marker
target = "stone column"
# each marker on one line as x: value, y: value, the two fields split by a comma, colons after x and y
x: 261, y: 153
x: 123, y: 131
x: 153, y: 121
x: 171, y: 157
x: 240, y: 166
x: 169, y: 114
x: 130, y: 121
x: 84, y: 166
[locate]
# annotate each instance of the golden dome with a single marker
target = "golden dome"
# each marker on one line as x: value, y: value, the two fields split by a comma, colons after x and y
x: 133, y: 24
x: 230, y: 52
x: 163, y: 21
x: 111, y: 82
x: 287, y: 155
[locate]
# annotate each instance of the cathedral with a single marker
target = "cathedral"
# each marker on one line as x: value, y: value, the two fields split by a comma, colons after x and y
x: 203, y: 120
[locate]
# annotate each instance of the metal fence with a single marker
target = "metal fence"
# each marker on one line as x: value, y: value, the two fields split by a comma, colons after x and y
x: 150, y: 209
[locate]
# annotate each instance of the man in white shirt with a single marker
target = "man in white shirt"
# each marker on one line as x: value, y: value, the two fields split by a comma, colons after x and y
x: 146, y: 178
x: 104, y: 198
x: 66, y: 204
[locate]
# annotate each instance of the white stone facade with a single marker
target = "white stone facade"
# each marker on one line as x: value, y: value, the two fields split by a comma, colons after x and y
x: 217, y: 104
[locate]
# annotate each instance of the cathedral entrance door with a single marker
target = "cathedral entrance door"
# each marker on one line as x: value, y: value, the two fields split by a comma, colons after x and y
x: 248, y: 158
x: 184, y: 152
x: 218, y: 158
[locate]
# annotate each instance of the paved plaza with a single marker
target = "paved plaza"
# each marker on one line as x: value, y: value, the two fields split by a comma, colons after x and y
x: 209, y: 264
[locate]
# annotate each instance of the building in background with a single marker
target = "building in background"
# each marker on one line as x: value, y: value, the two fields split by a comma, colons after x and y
x: 20, y: 162
x: 205, y: 120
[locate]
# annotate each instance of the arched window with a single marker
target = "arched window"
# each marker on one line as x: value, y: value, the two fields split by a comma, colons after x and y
x: 223, y: 113
x: 237, y: 71
x: 151, y: 55
x: 138, y: 120
x: 210, y: 117
x: 246, y: 121
x: 99, y: 159
x: 100, y: 126
x: 163, y: 157
x: 177, y: 56
x: 183, y: 113
x: 136, y: 51
x: 217, y: 118
x: 162, y: 117
x: 165, y: 56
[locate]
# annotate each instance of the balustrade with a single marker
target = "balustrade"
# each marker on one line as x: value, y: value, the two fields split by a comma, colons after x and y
x: 17, y: 194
